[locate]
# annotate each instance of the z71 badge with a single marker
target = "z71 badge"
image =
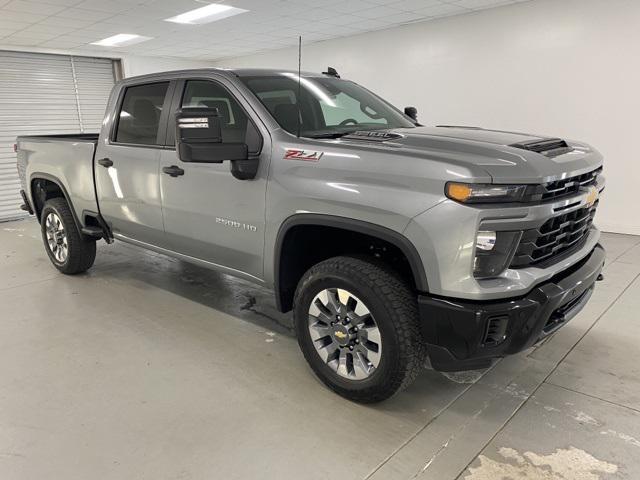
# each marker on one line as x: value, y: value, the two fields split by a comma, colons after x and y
x: 304, y: 155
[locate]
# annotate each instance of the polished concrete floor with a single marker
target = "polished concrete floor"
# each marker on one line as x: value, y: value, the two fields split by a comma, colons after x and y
x: 150, y: 368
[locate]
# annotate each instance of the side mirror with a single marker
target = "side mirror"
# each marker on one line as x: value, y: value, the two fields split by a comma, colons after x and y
x: 411, y: 112
x: 199, y: 138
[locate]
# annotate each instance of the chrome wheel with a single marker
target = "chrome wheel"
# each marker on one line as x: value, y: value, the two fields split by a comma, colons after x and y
x: 345, y: 333
x: 56, y: 237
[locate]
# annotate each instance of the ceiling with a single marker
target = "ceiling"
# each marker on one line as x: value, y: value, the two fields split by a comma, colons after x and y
x: 71, y: 25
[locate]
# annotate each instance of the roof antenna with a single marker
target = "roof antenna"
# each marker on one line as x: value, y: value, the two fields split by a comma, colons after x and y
x: 299, y: 75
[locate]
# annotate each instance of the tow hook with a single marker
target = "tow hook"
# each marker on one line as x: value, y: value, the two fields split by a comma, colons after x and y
x: 600, y: 278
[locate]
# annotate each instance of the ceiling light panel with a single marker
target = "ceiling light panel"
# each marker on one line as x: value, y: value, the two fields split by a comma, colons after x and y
x: 121, y: 40
x: 210, y: 13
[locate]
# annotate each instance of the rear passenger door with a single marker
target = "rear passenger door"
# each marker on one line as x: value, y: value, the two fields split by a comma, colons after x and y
x: 128, y: 160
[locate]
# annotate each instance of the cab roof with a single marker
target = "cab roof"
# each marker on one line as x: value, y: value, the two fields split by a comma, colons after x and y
x: 230, y: 72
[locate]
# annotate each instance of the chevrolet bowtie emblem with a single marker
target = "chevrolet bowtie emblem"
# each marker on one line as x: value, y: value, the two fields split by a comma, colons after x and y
x: 340, y: 335
x: 592, y: 196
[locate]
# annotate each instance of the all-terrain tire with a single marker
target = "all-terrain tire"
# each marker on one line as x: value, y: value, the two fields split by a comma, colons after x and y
x: 80, y: 250
x: 394, y: 308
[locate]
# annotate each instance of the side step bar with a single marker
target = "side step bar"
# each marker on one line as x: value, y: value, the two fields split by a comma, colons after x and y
x: 101, y: 231
x: 93, y: 232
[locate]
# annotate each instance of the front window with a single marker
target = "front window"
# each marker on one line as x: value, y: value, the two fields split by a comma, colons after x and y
x: 329, y: 107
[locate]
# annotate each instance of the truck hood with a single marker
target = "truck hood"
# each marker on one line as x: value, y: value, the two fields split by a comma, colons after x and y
x: 508, y: 157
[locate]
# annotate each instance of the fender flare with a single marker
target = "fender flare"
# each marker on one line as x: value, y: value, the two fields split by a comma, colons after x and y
x: 316, y: 219
x: 51, y: 178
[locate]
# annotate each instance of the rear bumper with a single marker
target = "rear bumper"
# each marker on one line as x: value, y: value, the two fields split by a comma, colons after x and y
x: 464, y: 335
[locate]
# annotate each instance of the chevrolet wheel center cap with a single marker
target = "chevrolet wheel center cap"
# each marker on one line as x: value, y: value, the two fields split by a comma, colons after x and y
x: 341, y: 334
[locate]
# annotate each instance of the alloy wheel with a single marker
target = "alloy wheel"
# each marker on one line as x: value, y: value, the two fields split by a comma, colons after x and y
x: 345, y: 334
x: 56, y: 237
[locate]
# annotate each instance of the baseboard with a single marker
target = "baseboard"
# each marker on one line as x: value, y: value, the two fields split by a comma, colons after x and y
x: 618, y: 228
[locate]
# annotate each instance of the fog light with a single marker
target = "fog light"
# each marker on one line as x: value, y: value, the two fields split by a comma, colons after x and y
x: 486, y: 240
x: 494, y: 251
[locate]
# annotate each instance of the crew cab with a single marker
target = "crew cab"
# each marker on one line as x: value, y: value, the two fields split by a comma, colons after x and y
x: 391, y: 242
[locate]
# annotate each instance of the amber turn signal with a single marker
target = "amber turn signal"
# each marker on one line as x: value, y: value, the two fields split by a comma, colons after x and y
x: 459, y: 191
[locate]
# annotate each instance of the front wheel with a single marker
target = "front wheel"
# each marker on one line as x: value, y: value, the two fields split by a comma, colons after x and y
x: 69, y: 251
x: 357, y: 325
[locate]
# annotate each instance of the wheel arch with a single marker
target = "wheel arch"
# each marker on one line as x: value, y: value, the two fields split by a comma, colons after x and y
x: 284, y: 273
x: 38, y: 196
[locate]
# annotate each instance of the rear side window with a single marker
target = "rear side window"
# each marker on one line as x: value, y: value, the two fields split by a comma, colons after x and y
x: 139, y: 117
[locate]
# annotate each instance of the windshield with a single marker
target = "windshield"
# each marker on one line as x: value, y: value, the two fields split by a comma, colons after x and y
x: 329, y: 107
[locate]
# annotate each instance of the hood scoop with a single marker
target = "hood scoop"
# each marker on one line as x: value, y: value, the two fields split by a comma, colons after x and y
x: 550, y: 147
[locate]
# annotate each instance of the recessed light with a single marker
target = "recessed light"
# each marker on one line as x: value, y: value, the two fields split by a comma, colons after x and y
x: 121, y: 40
x: 210, y: 13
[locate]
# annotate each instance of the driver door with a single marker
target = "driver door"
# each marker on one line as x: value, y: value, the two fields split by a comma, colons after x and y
x: 208, y: 214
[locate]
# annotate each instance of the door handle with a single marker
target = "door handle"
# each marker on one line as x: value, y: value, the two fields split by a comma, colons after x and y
x: 106, y: 162
x: 173, y: 170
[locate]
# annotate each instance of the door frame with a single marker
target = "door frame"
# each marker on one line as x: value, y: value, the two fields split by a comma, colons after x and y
x: 162, y: 122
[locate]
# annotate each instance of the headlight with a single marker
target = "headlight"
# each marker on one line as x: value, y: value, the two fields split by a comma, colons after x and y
x: 484, y: 193
x: 494, y: 251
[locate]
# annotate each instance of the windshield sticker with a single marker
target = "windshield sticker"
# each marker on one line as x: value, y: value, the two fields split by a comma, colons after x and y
x: 305, y: 155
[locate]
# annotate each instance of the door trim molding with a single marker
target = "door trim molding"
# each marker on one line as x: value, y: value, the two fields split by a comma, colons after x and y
x: 190, y: 259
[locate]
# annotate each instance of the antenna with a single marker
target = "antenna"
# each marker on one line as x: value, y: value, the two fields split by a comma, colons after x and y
x: 298, y: 100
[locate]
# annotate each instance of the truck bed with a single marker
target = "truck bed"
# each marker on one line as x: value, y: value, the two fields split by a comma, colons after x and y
x: 66, y: 160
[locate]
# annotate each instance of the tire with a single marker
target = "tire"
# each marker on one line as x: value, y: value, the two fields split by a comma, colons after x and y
x: 71, y: 252
x: 392, y: 308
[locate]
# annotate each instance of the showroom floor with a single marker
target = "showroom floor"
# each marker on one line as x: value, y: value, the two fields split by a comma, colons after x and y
x: 150, y: 368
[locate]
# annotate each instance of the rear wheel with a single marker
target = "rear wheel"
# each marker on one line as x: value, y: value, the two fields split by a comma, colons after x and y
x: 69, y: 251
x: 357, y: 326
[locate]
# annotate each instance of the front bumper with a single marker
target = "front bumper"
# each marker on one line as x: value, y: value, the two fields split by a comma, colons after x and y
x: 465, y: 335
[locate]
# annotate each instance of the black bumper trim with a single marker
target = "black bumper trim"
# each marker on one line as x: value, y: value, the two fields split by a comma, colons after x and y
x: 460, y: 334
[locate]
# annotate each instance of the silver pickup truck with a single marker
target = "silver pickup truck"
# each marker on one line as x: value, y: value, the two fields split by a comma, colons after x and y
x: 391, y: 242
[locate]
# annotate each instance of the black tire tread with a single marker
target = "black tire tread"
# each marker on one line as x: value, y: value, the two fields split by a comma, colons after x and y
x: 82, y: 250
x: 403, y: 312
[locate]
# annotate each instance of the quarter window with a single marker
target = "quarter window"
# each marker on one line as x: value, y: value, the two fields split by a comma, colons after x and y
x: 139, y: 117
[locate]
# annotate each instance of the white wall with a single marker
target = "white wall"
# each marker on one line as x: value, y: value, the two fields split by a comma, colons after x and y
x: 136, y: 65
x: 568, y: 68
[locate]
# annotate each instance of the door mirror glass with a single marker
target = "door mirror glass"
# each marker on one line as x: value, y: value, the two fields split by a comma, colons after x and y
x: 199, y: 137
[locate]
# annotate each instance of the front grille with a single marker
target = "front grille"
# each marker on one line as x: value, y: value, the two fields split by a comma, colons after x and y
x: 561, y: 188
x: 557, y: 237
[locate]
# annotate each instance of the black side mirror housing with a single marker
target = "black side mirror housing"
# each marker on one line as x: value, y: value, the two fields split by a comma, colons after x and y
x: 412, y: 113
x: 199, y: 140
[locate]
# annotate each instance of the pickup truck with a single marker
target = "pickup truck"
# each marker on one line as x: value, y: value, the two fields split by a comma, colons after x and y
x: 391, y: 242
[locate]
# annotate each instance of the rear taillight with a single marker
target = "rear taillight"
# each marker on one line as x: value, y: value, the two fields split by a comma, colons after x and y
x: 15, y: 148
